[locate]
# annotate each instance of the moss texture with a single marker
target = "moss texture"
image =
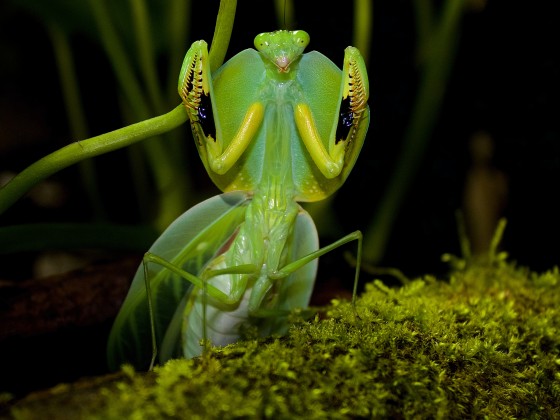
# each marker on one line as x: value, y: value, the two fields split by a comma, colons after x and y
x: 483, y: 343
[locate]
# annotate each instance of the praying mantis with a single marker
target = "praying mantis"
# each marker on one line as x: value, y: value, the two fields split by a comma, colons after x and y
x: 273, y: 127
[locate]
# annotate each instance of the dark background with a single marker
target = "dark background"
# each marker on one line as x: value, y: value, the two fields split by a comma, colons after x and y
x: 505, y: 81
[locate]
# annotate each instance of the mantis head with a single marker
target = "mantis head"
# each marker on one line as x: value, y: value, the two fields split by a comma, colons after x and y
x: 282, y: 47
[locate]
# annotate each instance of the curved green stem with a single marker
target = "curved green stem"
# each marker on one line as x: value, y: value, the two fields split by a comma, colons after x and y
x: 222, y: 33
x: 126, y: 136
x: 84, y: 149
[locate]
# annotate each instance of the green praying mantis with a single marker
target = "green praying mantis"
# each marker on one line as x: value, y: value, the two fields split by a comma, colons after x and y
x: 273, y: 127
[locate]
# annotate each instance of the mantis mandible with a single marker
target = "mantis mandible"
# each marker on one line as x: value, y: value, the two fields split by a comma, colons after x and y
x: 273, y: 127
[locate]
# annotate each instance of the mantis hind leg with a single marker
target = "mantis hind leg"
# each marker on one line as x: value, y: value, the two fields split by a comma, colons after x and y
x: 295, y: 265
x: 210, y: 290
x: 200, y: 282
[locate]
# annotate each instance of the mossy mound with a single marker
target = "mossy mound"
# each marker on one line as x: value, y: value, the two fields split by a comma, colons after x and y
x: 483, y: 343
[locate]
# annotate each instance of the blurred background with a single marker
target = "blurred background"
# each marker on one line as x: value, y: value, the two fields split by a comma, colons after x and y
x: 464, y: 116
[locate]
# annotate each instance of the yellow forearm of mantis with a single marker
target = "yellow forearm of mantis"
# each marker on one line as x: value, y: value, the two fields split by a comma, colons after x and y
x: 221, y: 160
x: 329, y: 162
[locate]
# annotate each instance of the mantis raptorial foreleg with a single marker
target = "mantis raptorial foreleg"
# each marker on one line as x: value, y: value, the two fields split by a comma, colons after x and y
x: 196, y: 90
x: 354, y: 94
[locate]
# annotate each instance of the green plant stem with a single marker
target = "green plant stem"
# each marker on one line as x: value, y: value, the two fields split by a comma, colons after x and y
x: 222, y: 33
x: 464, y: 242
x: 435, y: 73
x: 75, y: 112
x: 497, y: 239
x: 145, y: 51
x: 119, y: 60
x: 363, y: 27
x: 178, y: 29
x: 126, y: 136
x: 424, y: 23
x: 285, y: 13
x: 85, y: 149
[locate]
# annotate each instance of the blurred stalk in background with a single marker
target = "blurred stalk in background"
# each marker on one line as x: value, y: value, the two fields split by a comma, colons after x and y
x: 437, y: 33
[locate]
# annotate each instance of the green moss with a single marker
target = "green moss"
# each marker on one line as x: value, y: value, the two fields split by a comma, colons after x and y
x: 483, y: 343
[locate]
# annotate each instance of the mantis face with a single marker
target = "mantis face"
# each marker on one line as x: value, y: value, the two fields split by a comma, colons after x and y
x: 282, y: 47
